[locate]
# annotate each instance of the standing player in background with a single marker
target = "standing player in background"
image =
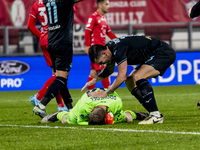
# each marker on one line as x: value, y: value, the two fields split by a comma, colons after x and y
x: 60, y: 36
x: 38, y: 12
x: 195, y: 12
x: 95, y: 33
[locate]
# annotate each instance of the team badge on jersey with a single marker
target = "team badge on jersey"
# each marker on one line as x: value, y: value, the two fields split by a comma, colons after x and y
x: 82, y: 116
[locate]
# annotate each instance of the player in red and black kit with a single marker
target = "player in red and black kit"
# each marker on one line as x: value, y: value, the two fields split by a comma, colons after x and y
x: 153, y: 58
x: 60, y: 34
x: 38, y: 12
x: 195, y: 12
x: 95, y: 33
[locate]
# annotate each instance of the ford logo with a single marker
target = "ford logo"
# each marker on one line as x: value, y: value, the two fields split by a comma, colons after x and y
x: 13, y: 67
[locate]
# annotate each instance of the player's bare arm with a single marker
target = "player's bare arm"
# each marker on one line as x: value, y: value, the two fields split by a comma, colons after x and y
x: 121, y: 77
x: 108, y: 70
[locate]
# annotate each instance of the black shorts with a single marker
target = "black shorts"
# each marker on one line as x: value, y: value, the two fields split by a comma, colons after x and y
x: 162, y: 59
x: 61, y: 56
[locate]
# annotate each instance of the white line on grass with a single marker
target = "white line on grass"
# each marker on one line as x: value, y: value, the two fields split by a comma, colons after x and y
x: 103, y: 129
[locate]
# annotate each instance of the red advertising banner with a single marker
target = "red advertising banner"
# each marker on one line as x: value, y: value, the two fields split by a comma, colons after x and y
x: 15, y: 12
x: 123, y: 12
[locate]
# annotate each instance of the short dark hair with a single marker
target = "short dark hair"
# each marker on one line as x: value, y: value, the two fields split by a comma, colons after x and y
x: 100, y: 1
x: 95, y: 51
x: 97, y: 116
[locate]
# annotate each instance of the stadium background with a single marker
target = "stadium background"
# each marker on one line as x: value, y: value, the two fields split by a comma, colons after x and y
x: 22, y: 66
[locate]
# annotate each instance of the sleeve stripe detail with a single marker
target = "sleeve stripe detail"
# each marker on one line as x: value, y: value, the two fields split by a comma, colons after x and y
x: 121, y: 61
x: 88, y: 29
x: 32, y: 16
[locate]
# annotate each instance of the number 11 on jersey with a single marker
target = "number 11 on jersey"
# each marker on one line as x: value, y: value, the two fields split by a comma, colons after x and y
x: 53, y: 15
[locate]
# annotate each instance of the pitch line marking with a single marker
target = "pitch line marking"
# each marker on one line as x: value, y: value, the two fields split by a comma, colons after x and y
x: 103, y: 129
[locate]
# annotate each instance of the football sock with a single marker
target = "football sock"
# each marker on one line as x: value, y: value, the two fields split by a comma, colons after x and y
x: 136, y: 92
x: 59, y: 100
x: 147, y: 94
x: 43, y: 90
x: 92, y: 86
x: 105, y: 82
x: 66, y: 96
x: 53, y: 90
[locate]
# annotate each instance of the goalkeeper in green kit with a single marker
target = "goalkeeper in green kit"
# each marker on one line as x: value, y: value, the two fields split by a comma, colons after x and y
x: 96, y: 111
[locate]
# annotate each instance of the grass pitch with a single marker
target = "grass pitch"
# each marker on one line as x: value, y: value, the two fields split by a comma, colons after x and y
x: 20, y: 129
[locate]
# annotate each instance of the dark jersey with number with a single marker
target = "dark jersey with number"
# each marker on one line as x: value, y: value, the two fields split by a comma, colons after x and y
x: 135, y: 49
x: 60, y: 21
x: 195, y: 10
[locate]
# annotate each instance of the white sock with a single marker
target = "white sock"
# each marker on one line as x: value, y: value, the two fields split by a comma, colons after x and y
x: 155, y: 113
x: 41, y: 106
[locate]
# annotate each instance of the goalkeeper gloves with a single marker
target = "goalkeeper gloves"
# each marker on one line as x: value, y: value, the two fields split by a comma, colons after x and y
x: 109, y: 118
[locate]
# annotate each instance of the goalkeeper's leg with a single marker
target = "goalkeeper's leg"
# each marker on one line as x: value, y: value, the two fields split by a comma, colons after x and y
x: 62, y: 116
x: 50, y: 118
x: 134, y: 115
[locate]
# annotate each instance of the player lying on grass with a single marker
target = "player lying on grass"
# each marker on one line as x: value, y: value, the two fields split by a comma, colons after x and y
x: 91, y: 111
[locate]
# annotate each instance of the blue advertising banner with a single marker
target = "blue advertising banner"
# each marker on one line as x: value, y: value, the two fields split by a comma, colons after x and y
x: 30, y: 73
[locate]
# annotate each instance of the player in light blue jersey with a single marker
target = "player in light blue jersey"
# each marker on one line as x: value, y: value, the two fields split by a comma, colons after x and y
x: 90, y: 111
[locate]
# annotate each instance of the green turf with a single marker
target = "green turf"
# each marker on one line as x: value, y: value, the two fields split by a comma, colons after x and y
x: 20, y: 129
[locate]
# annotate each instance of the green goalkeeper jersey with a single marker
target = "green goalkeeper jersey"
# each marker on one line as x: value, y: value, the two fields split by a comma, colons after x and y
x: 79, y: 114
